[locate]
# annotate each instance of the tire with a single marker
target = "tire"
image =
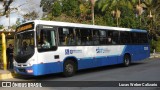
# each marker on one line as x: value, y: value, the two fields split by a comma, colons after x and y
x: 126, y: 60
x: 69, y: 68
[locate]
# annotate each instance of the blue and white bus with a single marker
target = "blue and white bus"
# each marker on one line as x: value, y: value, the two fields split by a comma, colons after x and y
x: 45, y: 47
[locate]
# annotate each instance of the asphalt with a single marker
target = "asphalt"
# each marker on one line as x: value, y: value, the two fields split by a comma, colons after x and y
x: 8, y: 74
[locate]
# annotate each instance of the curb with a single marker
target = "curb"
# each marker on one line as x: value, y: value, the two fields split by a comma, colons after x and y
x: 7, y: 76
x: 154, y: 56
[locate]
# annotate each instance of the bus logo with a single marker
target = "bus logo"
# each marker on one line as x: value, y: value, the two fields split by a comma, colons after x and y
x: 67, y: 52
x: 102, y: 50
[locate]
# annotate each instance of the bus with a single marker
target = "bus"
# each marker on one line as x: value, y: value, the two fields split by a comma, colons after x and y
x: 46, y: 47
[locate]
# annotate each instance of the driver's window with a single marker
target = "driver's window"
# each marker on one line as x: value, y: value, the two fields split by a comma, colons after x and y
x: 46, y: 40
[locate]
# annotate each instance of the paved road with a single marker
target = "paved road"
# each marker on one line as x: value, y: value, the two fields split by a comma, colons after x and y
x: 148, y: 70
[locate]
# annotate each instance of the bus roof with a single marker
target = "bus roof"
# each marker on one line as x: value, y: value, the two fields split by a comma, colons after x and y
x: 78, y: 25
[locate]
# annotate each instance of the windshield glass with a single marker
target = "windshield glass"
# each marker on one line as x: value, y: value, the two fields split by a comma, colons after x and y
x: 24, y: 45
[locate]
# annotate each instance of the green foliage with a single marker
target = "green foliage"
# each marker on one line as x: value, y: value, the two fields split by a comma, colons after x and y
x: 31, y: 15
x: 18, y: 22
x: 57, y: 9
x: 157, y: 46
x: 128, y: 18
x: 70, y: 7
x: 46, y: 5
x: 153, y: 45
x: 1, y: 26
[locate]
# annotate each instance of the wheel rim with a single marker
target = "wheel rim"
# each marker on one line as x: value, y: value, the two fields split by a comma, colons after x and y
x: 69, y: 68
x: 126, y: 61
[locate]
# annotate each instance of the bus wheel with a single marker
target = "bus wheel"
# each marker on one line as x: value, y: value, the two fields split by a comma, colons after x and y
x: 69, y: 68
x: 126, y: 60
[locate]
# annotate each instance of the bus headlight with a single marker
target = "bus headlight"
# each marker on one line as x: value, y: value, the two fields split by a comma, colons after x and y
x: 32, y: 61
x: 29, y: 71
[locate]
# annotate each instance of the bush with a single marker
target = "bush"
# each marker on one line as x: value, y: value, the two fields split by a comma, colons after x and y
x: 152, y: 45
x: 158, y: 45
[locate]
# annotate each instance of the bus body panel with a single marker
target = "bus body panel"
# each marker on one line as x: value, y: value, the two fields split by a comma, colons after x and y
x: 86, y: 56
x: 140, y: 52
x: 94, y: 59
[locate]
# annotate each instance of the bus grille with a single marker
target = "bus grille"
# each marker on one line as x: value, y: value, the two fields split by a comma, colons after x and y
x: 22, y: 70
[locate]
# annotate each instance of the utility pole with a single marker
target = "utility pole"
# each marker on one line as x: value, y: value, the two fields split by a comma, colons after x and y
x: 4, y: 56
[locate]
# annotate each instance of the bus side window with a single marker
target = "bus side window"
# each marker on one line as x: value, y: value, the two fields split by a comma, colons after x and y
x: 61, y: 37
x: 115, y: 39
x: 103, y: 37
x: 134, y: 37
x: 95, y: 37
x: 45, y: 39
x: 78, y: 36
x: 109, y: 40
x: 66, y: 37
x: 109, y: 37
x: 71, y: 40
x: 125, y: 37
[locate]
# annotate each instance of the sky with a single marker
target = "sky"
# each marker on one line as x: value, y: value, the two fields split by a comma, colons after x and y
x: 24, y: 6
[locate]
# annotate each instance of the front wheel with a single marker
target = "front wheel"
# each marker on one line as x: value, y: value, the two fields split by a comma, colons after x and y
x: 69, y: 68
x: 126, y: 60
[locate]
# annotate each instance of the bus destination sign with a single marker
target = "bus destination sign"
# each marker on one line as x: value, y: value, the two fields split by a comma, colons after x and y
x: 25, y: 27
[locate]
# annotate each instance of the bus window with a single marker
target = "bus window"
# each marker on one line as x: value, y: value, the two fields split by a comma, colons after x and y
x: 61, y: 37
x: 125, y: 37
x: 112, y: 37
x: 115, y: 38
x: 85, y: 36
x: 47, y: 40
x: 96, y: 36
x: 142, y: 38
x: 134, y: 37
x: 66, y: 37
x: 77, y: 34
x: 103, y: 37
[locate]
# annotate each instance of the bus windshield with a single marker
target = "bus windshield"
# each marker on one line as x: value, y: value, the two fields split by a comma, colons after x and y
x: 24, y: 46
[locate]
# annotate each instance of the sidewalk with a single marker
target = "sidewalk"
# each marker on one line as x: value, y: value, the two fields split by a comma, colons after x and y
x: 6, y: 74
x: 154, y: 55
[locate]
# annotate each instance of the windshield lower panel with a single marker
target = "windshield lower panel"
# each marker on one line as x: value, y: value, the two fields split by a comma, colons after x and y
x: 24, y: 46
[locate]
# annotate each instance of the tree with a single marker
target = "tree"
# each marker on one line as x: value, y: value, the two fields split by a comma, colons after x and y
x: 113, y: 5
x: 85, y: 10
x: 56, y: 8
x: 1, y: 26
x: 153, y: 7
x: 6, y: 5
x: 70, y: 7
x: 30, y: 16
x: 46, y: 5
x: 157, y: 45
x: 93, y: 4
x: 18, y: 22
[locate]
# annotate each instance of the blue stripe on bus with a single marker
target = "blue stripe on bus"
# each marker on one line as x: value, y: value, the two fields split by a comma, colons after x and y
x: 47, y: 68
x: 137, y: 53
